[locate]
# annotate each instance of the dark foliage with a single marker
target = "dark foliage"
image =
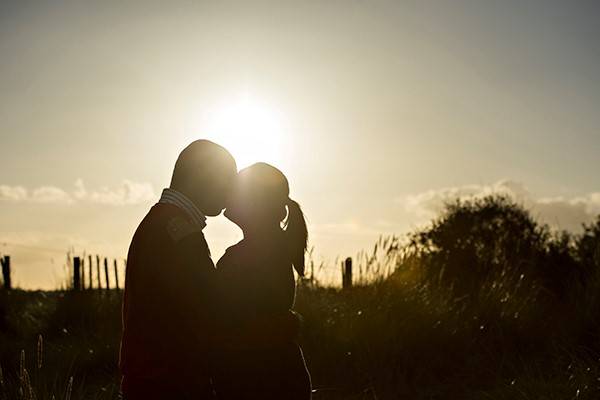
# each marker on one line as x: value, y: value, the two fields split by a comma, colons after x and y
x: 479, y: 240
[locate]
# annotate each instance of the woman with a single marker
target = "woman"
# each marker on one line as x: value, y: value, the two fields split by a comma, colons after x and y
x: 259, y: 358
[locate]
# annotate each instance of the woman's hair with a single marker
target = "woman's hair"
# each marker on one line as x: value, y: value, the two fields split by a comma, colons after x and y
x: 267, y: 189
x: 296, y: 234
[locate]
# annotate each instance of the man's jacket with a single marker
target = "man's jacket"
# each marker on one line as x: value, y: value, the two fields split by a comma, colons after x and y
x: 167, y: 305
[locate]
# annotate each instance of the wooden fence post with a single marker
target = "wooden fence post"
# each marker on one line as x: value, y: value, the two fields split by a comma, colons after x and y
x: 116, y: 275
x: 76, y: 273
x: 5, y: 261
x: 82, y: 273
x: 98, y: 271
x: 90, y: 271
x: 347, y: 273
x: 106, y: 272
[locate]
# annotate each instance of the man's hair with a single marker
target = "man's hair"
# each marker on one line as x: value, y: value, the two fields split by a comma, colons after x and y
x: 201, y: 162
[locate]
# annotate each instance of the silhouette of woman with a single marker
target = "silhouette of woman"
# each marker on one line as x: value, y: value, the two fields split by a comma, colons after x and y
x: 258, y: 358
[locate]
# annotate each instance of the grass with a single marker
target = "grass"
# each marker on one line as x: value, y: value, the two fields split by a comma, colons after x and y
x: 382, y: 341
x: 79, y: 343
x: 483, y: 304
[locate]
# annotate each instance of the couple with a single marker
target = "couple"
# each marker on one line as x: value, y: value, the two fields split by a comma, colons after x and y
x: 193, y: 331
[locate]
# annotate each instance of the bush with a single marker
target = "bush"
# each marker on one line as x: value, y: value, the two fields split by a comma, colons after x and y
x: 478, y: 241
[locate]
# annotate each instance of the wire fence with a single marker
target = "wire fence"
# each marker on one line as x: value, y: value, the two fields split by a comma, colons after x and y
x: 87, y: 271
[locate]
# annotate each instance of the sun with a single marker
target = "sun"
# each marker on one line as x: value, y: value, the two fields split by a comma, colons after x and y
x: 251, y: 130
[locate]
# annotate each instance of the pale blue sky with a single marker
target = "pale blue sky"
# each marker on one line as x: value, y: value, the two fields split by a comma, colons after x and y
x: 380, y: 101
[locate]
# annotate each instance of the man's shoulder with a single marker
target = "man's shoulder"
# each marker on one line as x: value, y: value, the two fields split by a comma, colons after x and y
x: 167, y: 222
x: 178, y: 228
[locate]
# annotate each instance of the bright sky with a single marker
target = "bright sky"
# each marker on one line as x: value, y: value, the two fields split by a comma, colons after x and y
x: 377, y: 111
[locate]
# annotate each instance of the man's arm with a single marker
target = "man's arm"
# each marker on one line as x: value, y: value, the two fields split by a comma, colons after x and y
x: 191, y: 280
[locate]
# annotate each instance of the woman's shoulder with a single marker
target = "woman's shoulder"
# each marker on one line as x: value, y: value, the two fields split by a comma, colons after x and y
x: 259, y: 255
x: 232, y: 255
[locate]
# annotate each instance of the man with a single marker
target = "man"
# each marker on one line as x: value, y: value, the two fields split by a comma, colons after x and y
x: 168, y: 315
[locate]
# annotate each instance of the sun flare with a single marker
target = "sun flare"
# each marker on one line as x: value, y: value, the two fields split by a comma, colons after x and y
x: 250, y: 129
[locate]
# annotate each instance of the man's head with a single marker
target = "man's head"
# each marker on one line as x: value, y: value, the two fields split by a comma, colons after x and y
x: 205, y: 172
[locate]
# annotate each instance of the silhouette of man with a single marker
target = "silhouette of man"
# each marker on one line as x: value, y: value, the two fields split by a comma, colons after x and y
x: 167, y: 312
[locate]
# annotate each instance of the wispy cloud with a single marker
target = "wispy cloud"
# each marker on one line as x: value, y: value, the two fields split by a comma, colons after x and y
x: 50, y: 194
x: 13, y: 193
x: 128, y: 193
x: 560, y: 212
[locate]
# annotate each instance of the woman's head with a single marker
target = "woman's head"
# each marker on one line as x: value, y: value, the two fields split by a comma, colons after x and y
x: 260, y: 201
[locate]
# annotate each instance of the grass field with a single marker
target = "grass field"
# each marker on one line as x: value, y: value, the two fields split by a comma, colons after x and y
x: 484, y: 304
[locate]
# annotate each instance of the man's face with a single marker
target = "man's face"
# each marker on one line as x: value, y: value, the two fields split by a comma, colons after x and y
x: 219, y: 193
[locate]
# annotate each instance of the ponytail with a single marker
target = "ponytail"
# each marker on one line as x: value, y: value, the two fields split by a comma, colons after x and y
x: 296, y: 235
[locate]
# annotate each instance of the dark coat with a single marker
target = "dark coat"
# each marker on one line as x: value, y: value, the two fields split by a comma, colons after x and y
x: 168, y: 317
x: 259, y: 357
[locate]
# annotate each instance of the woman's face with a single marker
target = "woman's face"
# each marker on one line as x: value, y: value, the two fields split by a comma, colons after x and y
x: 235, y: 209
